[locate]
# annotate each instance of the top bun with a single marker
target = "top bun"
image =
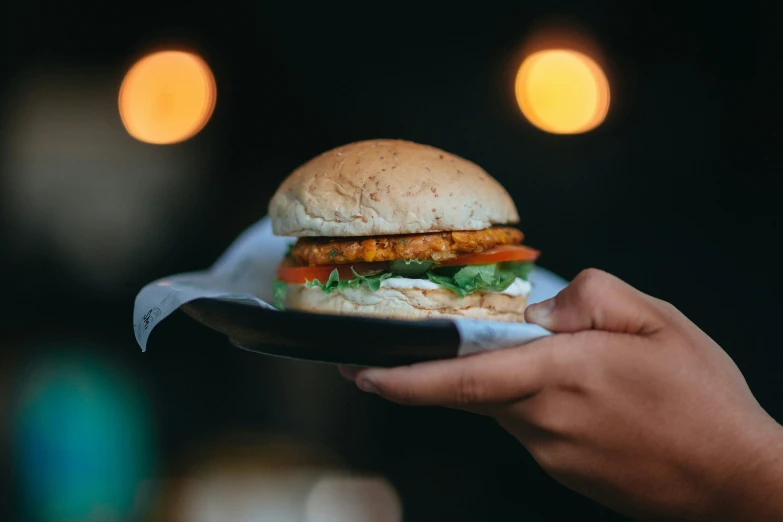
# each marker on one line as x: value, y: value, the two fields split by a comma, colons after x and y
x: 381, y: 187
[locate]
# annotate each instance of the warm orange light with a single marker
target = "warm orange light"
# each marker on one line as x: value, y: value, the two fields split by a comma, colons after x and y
x: 167, y: 97
x: 562, y: 91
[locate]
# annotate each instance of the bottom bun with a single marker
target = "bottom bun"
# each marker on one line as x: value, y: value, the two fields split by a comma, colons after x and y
x: 408, y: 303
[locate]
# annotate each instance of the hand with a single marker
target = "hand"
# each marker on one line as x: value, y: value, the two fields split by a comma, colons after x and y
x: 629, y: 403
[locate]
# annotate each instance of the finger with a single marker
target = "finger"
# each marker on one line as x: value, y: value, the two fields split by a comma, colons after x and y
x: 349, y: 372
x: 502, y: 376
x: 595, y: 300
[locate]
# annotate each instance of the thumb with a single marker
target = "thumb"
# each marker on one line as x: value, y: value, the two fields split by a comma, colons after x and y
x: 595, y: 300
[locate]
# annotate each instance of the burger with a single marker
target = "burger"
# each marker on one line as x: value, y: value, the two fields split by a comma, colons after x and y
x: 395, y: 229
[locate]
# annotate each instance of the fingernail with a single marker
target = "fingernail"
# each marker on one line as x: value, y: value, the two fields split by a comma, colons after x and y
x: 366, y: 385
x: 540, y: 311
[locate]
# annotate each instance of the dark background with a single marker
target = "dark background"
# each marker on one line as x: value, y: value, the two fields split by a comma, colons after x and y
x: 676, y: 193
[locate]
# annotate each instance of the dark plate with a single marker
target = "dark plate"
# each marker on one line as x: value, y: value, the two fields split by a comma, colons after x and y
x: 328, y: 338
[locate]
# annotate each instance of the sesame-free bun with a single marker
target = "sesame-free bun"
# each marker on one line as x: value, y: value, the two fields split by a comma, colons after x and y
x: 408, y: 303
x: 380, y: 187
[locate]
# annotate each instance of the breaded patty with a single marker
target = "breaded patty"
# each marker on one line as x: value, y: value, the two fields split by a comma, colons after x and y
x: 438, y: 246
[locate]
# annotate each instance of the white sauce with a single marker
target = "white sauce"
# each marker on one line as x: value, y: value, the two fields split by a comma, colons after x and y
x: 403, y: 283
x: 518, y: 287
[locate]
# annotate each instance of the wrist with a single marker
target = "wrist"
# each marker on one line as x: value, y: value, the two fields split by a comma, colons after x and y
x: 751, y: 483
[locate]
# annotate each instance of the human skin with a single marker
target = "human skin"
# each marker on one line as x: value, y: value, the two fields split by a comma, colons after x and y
x: 629, y: 403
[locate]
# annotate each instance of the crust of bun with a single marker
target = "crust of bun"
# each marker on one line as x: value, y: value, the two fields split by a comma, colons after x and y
x: 410, y: 304
x: 382, y: 187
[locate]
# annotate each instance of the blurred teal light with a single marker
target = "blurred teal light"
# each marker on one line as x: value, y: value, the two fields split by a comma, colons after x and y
x: 81, y: 440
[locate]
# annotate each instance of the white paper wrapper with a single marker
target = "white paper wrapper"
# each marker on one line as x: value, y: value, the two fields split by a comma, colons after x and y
x: 244, y: 273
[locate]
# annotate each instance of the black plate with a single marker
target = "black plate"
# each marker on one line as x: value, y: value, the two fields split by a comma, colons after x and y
x: 328, y: 338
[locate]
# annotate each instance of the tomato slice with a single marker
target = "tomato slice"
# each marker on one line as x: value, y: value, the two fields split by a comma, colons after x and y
x: 299, y: 275
x: 498, y: 254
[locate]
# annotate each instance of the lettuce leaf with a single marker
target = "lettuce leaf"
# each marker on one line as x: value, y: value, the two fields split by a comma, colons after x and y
x: 279, y: 291
x: 473, y: 278
x: 462, y: 280
x: 521, y: 269
x: 335, y: 283
x: 411, y: 268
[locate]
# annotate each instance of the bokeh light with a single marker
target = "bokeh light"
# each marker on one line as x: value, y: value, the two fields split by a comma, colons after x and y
x: 342, y: 497
x: 59, y: 133
x: 81, y: 440
x: 261, y: 476
x: 562, y: 91
x: 167, y: 97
